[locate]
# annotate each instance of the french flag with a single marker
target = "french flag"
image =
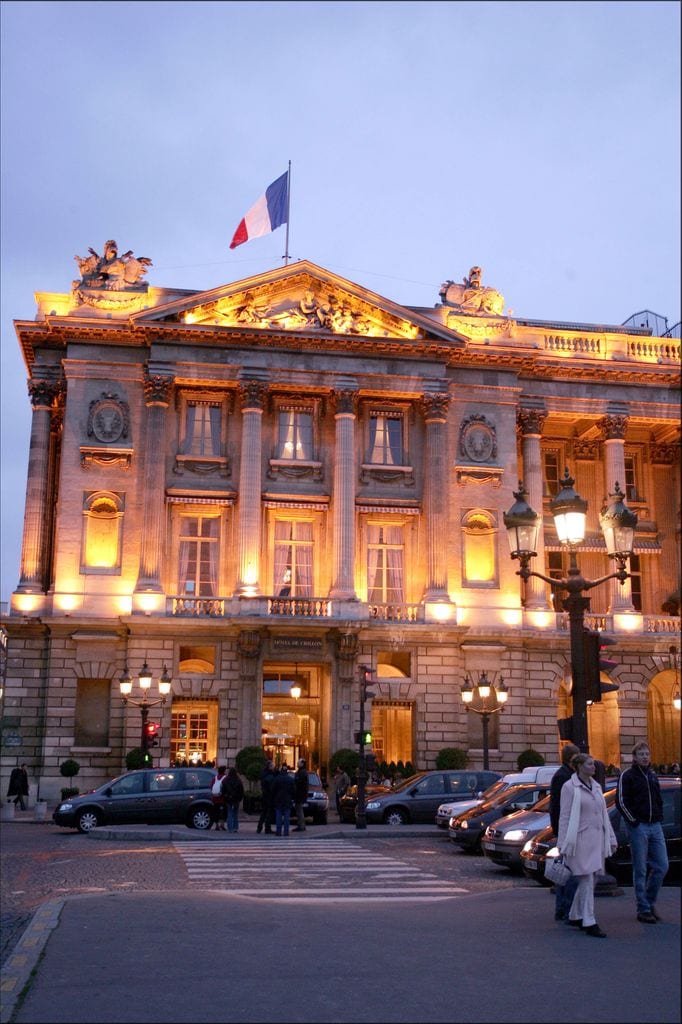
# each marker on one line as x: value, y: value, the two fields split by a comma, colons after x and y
x: 270, y: 212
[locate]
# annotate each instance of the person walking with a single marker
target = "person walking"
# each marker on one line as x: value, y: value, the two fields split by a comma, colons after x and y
x: 563, y: 893
x: 342, y: 782
x: 585, y: 839
x: 283, y: 791
x: 639, y: 800
x: 233, y: 793
x: 267, y: 778
x: 300, y: 794
x: 218, y: 799
x: 18, y: 786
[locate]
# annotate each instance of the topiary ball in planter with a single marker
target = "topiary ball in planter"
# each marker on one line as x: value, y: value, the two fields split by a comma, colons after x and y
x: 69, y: 768
x: 529, y: 758
x: 451, y: 757
x: 135, y: 759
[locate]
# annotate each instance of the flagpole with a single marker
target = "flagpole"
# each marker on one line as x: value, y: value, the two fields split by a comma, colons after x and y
x: 286, y: 240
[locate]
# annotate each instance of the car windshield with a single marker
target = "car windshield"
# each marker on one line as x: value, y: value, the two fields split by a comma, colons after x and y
x: 497, y: 787
x: 408, y: 783
x: 508, y: 795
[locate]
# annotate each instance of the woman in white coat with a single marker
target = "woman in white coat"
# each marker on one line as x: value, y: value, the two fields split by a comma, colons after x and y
x: 585, y: 839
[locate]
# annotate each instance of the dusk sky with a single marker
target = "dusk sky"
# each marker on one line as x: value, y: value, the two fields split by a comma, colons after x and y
x: 539, y: 141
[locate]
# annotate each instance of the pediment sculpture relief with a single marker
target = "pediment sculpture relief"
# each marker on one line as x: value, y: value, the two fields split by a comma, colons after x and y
x: 110, y: 273
x: 471, y: 296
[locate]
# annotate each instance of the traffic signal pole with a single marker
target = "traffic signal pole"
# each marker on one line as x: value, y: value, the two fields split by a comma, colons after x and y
x: 144, y: 742
x: 360, y: 814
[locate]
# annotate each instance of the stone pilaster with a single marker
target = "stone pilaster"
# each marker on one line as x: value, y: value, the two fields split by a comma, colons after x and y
x: 157, y: 393
x: 253, y: 394
x: 435, y: 408
x: 33, y: 571
x: 530, y: 422
x: 343, y: 587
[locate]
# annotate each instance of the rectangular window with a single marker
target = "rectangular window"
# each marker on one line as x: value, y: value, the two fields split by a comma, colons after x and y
x: 636, y: 582
x: 293, y: 571
x: 199, y: 554
x: 203, y: 428
x: 551, y: 473
x: 386, y: 447
x: 631, y: 491
x: 555, y: 570
x: 295, y: 435
x: 91, y: 726
x: 385, y: 568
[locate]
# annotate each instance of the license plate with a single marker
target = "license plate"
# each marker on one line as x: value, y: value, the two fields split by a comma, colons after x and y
x: 488, y: 846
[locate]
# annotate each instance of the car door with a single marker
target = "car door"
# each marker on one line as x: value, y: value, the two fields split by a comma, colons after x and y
x: 166, y: 798
x: 426, y: 797
x: 124, y: 801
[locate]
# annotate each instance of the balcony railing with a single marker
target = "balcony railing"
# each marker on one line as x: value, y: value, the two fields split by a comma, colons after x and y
x: 199, y: 606
x: 300, y: 607
x: 396, y: 612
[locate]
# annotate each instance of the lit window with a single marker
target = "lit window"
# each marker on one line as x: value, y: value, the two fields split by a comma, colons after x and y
x: 203, y: 428
x: 295, y: 439
x: 385, y: 571
x: 552, y: 473
x: 631, y: 490
x: 199, y: 554
x: 636, y: 582
x: 293, y: 571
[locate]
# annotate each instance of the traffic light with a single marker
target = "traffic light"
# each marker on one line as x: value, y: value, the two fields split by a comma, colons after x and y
x: 366, y: 680
x: 364, y: 737
x: 151, y: 730
x: 565, y: 727
x: 596, y: 662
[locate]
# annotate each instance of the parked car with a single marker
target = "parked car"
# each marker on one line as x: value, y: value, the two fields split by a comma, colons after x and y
x: 417, y: 799
x: 349, y: 800
x: 467, y: 830
x: 505, y: 837
x: 541, y: 773
x: 150, y: 796
x: 619, y: 865
x: 317, y: 804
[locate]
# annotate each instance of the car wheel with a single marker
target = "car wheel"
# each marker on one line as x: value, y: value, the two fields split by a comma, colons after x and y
x: 396, y: 816
x: 87, y: 820
x: 200, y: 818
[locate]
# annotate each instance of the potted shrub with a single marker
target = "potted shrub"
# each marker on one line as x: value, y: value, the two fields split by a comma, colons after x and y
x: 135, y: 759
x: 250, y: 762
x: 528, y: 758
x: 451, y: 757
x: 69, y: 769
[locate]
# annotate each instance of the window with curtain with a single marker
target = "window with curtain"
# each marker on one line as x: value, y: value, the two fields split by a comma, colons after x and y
x: 295, y: 437
x: 551, y: 472
x: 386, y: 439
x: 293, y: 568
x: 198, y: 555
x: 385, y: 564
x: 203, y: 427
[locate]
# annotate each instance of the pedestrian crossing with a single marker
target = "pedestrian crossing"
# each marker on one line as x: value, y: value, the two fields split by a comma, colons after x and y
x: 312, y: 871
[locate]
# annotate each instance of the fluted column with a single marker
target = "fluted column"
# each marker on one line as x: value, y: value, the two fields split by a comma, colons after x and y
x: 33, y: 571
x: 157, y: 394
x: 343, y: 587
x: 435, y: 407
x: 613, y: 429
x: 530, y: 423
x: 252, y: 394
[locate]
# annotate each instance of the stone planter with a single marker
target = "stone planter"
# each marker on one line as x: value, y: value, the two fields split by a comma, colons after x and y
x: 41, y: 810
x: 7, y: 812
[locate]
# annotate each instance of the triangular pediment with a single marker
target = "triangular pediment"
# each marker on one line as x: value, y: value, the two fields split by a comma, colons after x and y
x: 299, y: 298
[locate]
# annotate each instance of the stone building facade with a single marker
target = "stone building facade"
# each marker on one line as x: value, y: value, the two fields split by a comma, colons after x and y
x: 257, y: 489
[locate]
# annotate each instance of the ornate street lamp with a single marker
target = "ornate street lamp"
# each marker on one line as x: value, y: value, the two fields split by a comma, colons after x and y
x: 569, y: 510
x: 145, y: 681
x: 488, y: 708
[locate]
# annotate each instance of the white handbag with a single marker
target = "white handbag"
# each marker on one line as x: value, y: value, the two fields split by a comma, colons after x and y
x: 556, y: 870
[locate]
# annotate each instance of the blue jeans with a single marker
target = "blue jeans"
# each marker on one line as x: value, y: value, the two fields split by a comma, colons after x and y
x: 282, y: 819
x: 564, y: 898
x: 649, y: 863
x: 233, y: 817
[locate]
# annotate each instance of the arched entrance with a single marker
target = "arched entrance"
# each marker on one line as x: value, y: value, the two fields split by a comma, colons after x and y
x: 663, y: 719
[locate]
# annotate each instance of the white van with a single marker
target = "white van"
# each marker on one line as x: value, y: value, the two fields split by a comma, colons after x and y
x: 541, y: 774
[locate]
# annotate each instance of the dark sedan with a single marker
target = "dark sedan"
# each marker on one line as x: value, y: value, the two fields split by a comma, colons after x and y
x: 620, y: 864
x: 417, y: 799
x: 467, y: 830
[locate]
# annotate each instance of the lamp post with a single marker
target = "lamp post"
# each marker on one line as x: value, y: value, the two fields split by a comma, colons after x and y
x: 145, y: 681
x: 569, y: 511
x: 485, y: 689
x: 365, y: 680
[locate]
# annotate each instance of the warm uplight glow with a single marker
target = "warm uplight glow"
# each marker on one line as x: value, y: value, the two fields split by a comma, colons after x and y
x: 26, y: 602
x: 67, y: 602
x: 149, y: 603
x: 541, y: 620
x: 438, y: 611
x: 629, y: 622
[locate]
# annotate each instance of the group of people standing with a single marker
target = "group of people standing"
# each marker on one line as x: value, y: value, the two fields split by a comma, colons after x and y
x: 280, y: 788
x: 227, y: 792
x: 585, y: 838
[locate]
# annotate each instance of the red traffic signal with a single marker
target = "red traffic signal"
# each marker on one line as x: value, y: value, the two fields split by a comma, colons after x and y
x: 596, y: 662
x: 151, y: 731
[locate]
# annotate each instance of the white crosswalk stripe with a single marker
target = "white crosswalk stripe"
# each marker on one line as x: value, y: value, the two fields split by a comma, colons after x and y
x: 309, y: 871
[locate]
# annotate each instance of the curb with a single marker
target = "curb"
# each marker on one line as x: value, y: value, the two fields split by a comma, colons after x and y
x: 16, y: 972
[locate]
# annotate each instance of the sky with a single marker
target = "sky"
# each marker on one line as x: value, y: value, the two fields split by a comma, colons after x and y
x: 539, y: 141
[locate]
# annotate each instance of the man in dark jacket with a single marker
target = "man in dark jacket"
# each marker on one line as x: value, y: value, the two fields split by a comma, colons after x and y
x: 267, y: 778
x: 300, y: 794
x: 18, y: 786
x: 282, y: 798
x: 639, y: 800
x: 564, y: 893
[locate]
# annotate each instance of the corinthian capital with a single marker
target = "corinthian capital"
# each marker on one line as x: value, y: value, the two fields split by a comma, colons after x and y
x: 157, y: 389
x: 43, y: 392
x: 253, y: 394
x: 345, y: 400
x: 530, y: 421
x: 435, y: 406
x: 613, y: 427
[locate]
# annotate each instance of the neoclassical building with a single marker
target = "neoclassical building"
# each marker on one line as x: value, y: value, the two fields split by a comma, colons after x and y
x: 280, y: 480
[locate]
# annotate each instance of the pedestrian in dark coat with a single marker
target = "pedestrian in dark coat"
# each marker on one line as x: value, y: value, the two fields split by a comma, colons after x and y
x: 232, y: 789
x: 283, y: 791
x: 18, y: 786
x: 300, y: 794
x: 267, y: 778
x: 563, y: 893
x: 639, y: 800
